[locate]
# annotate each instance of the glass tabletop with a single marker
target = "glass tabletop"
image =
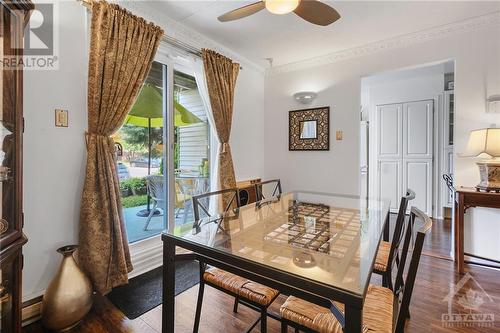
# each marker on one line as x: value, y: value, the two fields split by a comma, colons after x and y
x: 331, y: 239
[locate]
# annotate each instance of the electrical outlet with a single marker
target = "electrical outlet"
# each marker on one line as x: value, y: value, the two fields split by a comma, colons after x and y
x: 339, y: 135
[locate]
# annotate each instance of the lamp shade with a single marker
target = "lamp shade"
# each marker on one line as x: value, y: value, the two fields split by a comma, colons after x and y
x: 484, y: 141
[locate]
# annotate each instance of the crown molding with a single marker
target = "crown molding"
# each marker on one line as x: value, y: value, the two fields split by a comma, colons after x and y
x: 184, y: 34
x: 469, y: 25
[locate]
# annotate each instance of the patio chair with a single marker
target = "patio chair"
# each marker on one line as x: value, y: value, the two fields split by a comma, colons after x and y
x: 183, y: 193
x: 156, y: 191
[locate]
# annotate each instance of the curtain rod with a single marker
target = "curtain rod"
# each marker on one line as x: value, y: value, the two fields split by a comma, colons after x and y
x: 181, y: 45
x: 167, y: 39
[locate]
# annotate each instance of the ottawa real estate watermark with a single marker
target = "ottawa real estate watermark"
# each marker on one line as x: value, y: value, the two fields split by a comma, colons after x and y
x: 471, y: 298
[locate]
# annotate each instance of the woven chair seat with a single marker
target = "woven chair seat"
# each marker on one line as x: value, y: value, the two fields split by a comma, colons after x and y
x: 377, y: 313
x: 242, y: 287
x: 382, y: 260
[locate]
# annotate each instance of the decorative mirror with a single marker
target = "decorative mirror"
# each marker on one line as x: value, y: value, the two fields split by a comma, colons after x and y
x: 309, y: 129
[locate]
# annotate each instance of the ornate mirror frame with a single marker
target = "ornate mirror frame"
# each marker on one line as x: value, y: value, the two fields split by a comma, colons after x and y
x: 322, y: 117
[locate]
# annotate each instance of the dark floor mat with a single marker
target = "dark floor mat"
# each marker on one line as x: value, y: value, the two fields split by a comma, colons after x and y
x: 144, y: 292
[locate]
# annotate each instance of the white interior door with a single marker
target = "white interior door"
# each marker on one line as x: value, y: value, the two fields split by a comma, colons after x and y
x: 390, y: 180
x: 389, y: 130
x: 405, y: 152
x: 389, y: 152
x: 418, y: 152
x: 417, y: 130
x: 417, y: 175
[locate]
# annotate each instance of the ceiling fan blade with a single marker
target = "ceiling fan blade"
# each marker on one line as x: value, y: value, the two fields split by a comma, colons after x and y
x: 242, y: 12
x: 317, y: 12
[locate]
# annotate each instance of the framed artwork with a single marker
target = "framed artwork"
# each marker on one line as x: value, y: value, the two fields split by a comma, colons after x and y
x: 309, y: 129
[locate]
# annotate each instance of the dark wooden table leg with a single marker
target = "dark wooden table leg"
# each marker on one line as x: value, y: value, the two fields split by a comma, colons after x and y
x: 460, y: 233
x: 353, y: 319
x: 455, y: 231
x: 168, y: 307
x: 387, y: 227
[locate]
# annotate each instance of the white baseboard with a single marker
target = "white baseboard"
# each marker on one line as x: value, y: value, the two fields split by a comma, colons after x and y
x: 33, y: 295
x: 31, y: 313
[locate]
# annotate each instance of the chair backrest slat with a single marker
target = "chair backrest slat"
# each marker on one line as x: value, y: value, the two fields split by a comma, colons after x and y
x: 198, y: 201
x: 404, y: 289
x: 400, y: 222
x: 275, y: 192
x: 155, y: 186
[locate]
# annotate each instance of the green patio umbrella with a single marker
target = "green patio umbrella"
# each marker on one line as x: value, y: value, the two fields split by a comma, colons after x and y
x: 148, y: 112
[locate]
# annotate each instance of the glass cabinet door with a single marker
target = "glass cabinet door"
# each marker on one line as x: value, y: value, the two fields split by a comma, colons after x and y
x: 10, y: 124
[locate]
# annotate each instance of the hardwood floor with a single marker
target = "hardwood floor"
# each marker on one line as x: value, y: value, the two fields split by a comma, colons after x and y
x: 438, y: 242
x: 436, y: 277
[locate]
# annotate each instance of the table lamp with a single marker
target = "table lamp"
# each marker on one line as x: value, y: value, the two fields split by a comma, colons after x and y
x: 486, y: 143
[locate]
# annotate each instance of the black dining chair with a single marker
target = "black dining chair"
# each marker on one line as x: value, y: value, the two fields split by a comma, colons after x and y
x: 274, y: 185
x: 384, y: 310
x: 201, y: 202
x: 388, y: 252
x: 251, y: 294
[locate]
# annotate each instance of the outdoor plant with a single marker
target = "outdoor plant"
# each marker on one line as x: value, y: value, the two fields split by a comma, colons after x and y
x: 134, y: 201
x: 136, y: 186
x: 124, y: 188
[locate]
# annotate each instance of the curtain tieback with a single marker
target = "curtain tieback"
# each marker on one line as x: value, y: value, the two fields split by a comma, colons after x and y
x: 88, y: 135
x: 225, y: 147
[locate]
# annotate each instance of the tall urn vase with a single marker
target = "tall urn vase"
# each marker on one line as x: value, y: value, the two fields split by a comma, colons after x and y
x: 69, y: 295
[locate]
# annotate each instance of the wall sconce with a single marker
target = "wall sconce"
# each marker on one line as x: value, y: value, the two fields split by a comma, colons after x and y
x: 305, y: 97
x: 493, y: 104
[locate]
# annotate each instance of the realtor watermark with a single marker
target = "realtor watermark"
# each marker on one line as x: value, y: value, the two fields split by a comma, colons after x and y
x: 40, y: 47
x: 470, y: 297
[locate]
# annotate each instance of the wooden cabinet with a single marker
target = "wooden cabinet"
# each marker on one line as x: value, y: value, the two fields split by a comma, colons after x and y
x: 13, y: 17
x: 11, y: 265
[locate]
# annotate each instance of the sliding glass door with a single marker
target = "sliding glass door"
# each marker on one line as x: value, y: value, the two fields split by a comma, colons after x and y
x: 163, y: 152
x: 141, y: 159
x: 191, y: 147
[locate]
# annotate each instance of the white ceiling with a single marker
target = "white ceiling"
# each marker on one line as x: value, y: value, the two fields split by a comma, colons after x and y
x: 288, y: 38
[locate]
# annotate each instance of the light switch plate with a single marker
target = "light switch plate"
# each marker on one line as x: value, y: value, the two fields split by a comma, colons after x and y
x: 339, y: 135
x: 61, y: 118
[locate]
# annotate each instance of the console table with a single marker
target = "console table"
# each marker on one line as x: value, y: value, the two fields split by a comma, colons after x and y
x: 465, y: 198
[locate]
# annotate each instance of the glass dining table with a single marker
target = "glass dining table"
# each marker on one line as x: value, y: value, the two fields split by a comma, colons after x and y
x: 319, y: 247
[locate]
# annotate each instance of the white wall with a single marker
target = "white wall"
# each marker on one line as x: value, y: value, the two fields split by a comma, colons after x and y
x: 338, y: 84
x: 55, y: 157
x: 247, y: 133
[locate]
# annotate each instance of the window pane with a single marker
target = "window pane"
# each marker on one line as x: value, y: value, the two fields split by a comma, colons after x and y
x: 191, y: 148
x: 140, y: 166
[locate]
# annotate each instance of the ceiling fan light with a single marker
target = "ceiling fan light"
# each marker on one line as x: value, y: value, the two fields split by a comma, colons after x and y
x: 281, y: 7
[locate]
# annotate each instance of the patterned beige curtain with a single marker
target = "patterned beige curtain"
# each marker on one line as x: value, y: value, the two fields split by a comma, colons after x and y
x: 121, y: 53
x: 221, y: 74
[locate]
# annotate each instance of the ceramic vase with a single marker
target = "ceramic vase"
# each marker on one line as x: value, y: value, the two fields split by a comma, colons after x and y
x: 69, y: 296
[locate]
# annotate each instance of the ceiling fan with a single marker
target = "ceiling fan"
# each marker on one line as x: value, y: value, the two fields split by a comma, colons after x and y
x: 313, y: 11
